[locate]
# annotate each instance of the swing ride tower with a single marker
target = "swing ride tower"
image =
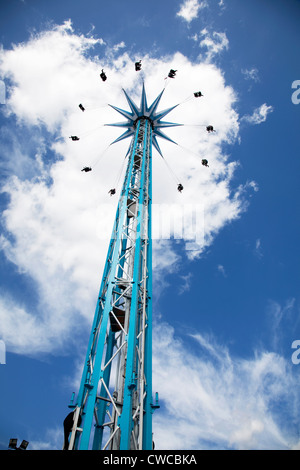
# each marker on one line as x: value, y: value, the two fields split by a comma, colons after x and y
x: 114, y: 406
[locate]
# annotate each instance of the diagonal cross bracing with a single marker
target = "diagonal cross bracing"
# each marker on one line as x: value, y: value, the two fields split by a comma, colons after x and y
x: 115, y: 395
x: 119, y: 326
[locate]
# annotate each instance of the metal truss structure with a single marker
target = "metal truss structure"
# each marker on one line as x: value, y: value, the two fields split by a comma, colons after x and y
x: 114, y: 405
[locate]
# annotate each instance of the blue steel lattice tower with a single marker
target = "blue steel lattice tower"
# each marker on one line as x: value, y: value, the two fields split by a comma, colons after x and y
x: 114, y: 405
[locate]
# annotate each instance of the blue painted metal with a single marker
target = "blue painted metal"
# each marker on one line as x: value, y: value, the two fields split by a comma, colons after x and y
x: 118, y: 412
x: 150, y: 113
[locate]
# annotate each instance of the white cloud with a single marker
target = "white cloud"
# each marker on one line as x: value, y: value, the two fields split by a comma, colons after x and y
x: 58, y: 221
x: 283, y: 319
x: 258, y: 249
x: 53, y: 440
x: 221, y: 270
x: 39, y: 92
x: 259, y: 114
x: 251, y: 74
x: 165, y: 261
x: 212, y: 400
x: 214, y: 43
x: 189, y: 9
x: 121, y: 45
x: 186, y: 283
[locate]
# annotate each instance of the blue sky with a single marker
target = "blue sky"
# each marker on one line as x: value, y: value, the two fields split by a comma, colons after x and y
x: 226, y: 313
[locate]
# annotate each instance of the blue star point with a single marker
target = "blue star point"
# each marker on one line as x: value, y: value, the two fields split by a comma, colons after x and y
x: 144, y: 111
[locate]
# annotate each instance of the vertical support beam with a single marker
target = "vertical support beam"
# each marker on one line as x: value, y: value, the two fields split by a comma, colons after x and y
x: 121, y: 337
x: 126, y: 286
x: 125, y: 420
x: 92, y: 369
x: 147, y: 429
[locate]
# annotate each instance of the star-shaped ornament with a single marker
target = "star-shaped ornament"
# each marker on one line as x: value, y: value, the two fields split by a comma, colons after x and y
x: 144, y: 111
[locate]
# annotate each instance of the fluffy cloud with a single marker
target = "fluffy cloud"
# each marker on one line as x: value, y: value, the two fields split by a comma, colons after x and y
x: 39, y: 93
x: 259, y: 114
x: 212, y: 42
x: 221, y: 270
x: 212, y: 400
x: 189, y: 9
x: 58, y: 220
